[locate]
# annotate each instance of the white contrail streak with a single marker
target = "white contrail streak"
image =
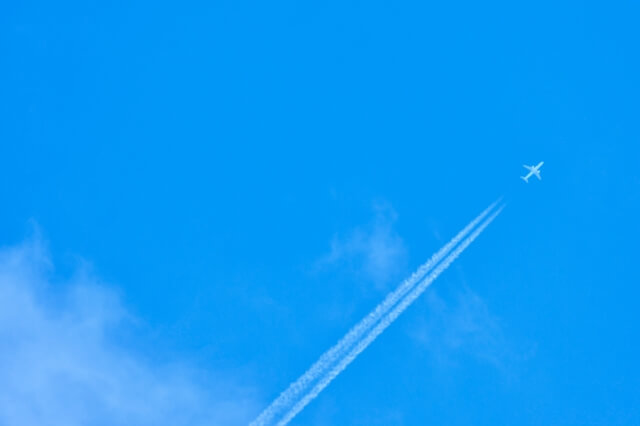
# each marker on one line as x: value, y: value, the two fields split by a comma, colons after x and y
x: 384, y: 323
x: 295, y: 389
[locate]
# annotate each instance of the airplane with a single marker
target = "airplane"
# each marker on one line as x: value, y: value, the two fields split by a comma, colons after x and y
x: 533, y: 170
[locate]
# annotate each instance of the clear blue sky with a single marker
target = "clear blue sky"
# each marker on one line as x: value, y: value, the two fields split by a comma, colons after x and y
x: 199, y: 199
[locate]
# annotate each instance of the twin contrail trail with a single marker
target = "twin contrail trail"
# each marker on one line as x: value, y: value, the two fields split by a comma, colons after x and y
x: 384, y: 323
x: 293, y: 392
x: 353, y: 339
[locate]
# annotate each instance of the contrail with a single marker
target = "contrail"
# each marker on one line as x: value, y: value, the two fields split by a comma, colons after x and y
x: 295, y: 389
x: 384, y: 323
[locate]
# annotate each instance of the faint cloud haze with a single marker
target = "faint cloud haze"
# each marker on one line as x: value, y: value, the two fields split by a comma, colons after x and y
x: 462, y: 324
x: 61, y: 365
x: 374, y: 250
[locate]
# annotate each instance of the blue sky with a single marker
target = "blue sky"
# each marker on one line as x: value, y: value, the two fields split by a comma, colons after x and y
x: 199, y: 199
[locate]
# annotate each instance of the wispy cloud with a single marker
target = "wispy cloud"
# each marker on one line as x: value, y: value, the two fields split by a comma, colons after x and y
x: 461, y: 324
x: 374, y: 251
x: 61, y: 363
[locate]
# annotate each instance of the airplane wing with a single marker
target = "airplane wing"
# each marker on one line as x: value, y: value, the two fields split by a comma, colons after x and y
x: 530, y: 168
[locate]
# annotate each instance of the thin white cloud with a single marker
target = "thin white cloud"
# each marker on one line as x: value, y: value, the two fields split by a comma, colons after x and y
x: 60, y: 363
x: 374, y: 251
x: 462, y: 324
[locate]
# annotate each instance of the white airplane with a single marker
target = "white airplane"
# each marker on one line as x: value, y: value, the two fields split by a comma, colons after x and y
x: 533, y: 170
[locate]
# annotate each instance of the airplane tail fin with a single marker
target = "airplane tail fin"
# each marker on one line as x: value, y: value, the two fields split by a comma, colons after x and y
x: 524, y: 179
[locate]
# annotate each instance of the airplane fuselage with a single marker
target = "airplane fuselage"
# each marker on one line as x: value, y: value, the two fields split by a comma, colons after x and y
x: 533, y: 170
